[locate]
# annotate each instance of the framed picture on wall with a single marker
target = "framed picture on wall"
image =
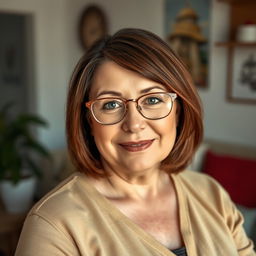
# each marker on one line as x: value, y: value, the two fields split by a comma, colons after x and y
x: 242, y: 75
x: 187, y: 32
x: 92, y: 25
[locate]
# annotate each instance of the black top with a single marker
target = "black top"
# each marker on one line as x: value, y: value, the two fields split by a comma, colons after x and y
x: 180, y: 252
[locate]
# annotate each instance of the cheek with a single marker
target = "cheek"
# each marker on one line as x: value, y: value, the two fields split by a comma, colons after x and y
x: 167, y: 131
x: 97, y: 131
x: 103, y: 136
x: 169, y: 124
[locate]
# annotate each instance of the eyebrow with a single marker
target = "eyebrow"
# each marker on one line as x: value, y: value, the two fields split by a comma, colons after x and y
x: 115, y: 93
x: 109, y: 92
x: 152, y: 88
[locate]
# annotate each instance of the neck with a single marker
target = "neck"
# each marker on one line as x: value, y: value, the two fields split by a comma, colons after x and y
x: 139, y: 188
x: 135, y: 186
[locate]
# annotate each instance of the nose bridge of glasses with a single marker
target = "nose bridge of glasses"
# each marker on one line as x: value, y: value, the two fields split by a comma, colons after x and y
x: 138, y: 107
x: 133, y: 118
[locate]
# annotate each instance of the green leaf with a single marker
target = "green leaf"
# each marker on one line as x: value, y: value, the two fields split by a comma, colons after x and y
x: 26, y: 119
x: 17, y: 143
x: 36, y: 147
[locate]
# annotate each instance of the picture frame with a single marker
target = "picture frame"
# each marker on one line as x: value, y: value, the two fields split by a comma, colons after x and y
x: 92, y: 26
x: 187, y: 33
x: 241, y: 86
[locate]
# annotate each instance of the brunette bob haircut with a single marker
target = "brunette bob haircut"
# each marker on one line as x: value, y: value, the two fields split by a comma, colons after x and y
x: 149, y: 56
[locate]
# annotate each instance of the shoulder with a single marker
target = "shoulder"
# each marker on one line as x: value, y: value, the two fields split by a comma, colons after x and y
x: 64, y: 200
x: 202, y: 187
x: 212, y: 214
x: 205, y: 197
x: 61, y: 219
x: 196, y: 179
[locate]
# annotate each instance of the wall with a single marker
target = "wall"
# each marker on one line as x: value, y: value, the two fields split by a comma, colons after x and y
x: 50, y: 62
x: 57, y: 50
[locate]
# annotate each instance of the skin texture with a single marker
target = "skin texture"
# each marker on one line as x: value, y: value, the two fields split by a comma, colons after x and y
x: 136, y: 185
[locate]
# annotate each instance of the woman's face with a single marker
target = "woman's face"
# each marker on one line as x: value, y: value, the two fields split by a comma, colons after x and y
x: 135, y: 145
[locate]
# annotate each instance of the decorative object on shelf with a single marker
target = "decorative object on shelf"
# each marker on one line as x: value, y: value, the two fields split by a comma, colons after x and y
x: 92, y: 25
x: 242, y: 85
x: 186, y: 37
x: 18, y: 152
x: 246, y: 33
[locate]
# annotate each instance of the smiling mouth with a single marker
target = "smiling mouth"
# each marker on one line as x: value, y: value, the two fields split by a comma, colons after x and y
x: 136, y: 146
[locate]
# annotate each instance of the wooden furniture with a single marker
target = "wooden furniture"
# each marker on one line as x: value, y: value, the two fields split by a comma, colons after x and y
x: 241, y: 12
x: 10, y: 227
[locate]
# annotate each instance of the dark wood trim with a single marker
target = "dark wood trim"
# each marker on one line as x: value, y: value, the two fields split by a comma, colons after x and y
x: 232, y: 44
x: 236, y: 1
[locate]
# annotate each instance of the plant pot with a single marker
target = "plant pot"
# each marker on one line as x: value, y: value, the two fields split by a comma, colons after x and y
x: 18, y: 198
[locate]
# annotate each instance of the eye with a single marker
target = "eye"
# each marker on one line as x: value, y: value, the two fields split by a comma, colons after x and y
x: 111, y: 105
x: 152, y: 100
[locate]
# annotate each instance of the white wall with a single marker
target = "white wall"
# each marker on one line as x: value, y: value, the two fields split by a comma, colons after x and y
x: 57, y: 50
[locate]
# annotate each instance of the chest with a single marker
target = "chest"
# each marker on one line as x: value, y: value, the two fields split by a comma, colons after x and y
x: 159, y: 219
x: 163, y: 225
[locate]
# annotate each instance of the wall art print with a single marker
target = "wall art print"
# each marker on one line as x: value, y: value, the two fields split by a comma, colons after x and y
x: 187, y: 32
x: 242, y: 76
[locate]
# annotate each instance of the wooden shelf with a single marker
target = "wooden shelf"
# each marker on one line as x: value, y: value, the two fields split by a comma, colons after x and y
x: 236, y: 1
x: 233, y: 44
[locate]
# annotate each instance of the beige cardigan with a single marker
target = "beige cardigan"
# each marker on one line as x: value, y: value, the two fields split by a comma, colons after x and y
x: 74, y: 219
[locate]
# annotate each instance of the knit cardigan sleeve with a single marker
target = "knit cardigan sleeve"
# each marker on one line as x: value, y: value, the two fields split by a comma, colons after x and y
x: 235, y: 222
x: 40, y: 237
x: 214, y: 220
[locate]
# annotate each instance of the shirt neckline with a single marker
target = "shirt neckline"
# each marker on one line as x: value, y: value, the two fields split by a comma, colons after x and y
x: 112, y: 210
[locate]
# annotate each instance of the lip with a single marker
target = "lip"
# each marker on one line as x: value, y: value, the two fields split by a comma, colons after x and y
x: 135, y: 146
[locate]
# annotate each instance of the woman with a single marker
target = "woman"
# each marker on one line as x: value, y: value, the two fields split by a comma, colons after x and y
x: 133, y: 124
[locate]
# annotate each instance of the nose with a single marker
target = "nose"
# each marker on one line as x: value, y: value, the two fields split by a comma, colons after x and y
x: 133, y: 121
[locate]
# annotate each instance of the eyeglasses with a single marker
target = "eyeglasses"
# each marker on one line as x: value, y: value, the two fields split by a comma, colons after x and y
x: 152, y: 106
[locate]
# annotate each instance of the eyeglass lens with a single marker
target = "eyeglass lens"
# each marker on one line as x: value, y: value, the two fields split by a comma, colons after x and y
x: 113, y: 110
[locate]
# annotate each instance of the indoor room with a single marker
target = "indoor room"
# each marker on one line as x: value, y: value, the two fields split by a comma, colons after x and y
x: 40, y: 44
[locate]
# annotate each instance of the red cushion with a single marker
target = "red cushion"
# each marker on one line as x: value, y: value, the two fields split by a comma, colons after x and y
x: 236, y: 175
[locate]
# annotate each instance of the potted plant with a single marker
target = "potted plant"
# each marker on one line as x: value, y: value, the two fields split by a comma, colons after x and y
x: 19, y: 152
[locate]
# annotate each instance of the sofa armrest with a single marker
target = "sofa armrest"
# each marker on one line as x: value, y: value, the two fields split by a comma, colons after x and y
x: 198, y: 159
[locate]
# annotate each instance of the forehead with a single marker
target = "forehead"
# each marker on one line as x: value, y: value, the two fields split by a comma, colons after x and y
x: 111, y: 77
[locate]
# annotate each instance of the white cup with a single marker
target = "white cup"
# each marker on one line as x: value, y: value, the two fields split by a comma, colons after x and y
x: 246, y: 33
